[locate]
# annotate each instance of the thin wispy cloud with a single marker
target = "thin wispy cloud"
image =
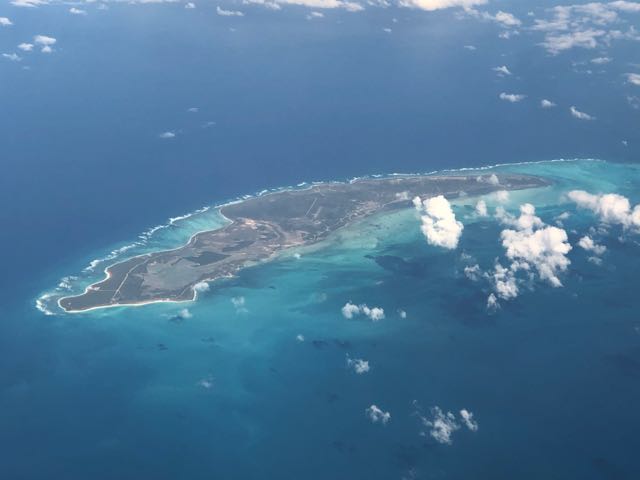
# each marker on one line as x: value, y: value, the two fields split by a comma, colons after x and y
x: 512, y: 97
x: 228, y: 13
x: 575, y: 113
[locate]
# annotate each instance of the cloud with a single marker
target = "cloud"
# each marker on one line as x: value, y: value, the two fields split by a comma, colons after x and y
x: 349, y: 310
x: 167, y: 135
x: 472, y: 272
x: 600, y: 60
x: 467, y: 419
x: 439, y: 224
x: 441, y: 426
x: 402, y: 314
x: 239, y: 303
x: 505, y: 283
x: 512, y: 97
x: 580, y: 115
x: 5, y: 22
x: 501, y: 196
x: 315, y: 14
x: 481, y: 208
x: 492, y: 303
x: 587, y: 243
x: 504, y: 19
x: 201, y: 287
x: 610, y: 208
x: 77, y: 11
x: 14, y: 57
x: 29, y: 3
x: 490, y: 179
x: 532, y: 245
x: 430, y: 5
x: 317, y: 4
x: 300, y: 338
x: 471, y: 48
x: 584, y: 26
x: 633, y: 78
x: 189, y: 5
x: 376, y: 415
x: 183, y: 314
x: 503, y: 70
x: 544, y: 103
x: 228, y: 13
x: 358, y: 365
x: 206, y: 383
x: 26, y: 47
x: 45, y: 42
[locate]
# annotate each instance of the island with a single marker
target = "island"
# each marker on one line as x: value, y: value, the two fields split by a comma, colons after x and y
x: 259, y: 228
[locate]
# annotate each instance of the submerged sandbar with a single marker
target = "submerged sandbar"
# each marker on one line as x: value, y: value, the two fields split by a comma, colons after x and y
x: 261, y: 227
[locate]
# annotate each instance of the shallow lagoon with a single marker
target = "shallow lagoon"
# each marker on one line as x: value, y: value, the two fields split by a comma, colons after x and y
x: 552, y: 377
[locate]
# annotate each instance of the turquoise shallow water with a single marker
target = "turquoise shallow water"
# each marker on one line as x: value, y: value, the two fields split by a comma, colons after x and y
x: 232, y: 392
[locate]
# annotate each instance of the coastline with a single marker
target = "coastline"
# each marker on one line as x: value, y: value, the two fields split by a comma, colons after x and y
x: 368, y: 182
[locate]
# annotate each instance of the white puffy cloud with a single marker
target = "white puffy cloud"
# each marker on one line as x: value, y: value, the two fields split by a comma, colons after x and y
x: 377, y: 415
x: 439, y: 224
x: 512, y: 97
x: 633, y: 78
x: 587, y: 243
x: 441, y: 426
x: 228, y: 13
x: 350, y: 310
x: 26, y: 47
x: 490, y: 179
x: 505, y: 284
x: 315, y: 14
x: 492, y: 302
x: 580, y: 115
x: 44, y: 40
x: 501, y: 196
x: 544, y: 103
x: 189, y: 5
x: 5, y: 22
x: 358, y: 365
x: 430, y: 5
x: 610, y: 208
x: 300, y: 338
x: 167, y: 135
x: 472, y: 272
x: 77, y: 11
x: 533, y: 245
x: 481, y: 208
x: 201, y: 287
x: 600, y: 60
x: 468, y: 420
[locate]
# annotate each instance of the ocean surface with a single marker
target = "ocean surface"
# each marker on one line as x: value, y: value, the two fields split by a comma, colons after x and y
x: 254, y: 381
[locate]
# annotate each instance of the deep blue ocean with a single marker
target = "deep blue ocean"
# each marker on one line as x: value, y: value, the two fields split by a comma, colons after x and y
x: 552, y: 378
